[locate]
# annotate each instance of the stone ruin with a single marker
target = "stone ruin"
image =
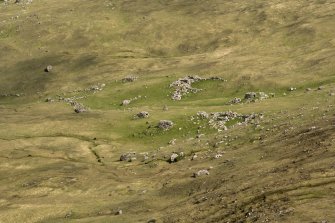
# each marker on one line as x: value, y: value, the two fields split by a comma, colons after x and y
x: 183, y: 86
x: 219, y: 120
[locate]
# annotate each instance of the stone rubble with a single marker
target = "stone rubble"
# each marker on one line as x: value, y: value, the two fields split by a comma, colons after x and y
x: 218, y: 120
x: 183, y: 86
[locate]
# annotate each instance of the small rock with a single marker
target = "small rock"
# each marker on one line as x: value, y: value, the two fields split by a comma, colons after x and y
x: 321, y: 88
x: 172, y: 141
x: 152, y: 221
x: 68, y: 215
x: 292, y: 89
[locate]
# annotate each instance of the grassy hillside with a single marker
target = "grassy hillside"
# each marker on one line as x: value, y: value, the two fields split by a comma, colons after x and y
x: 60, y: 166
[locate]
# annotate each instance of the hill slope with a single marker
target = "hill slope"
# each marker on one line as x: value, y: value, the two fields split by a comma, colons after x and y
x: 272, y: 161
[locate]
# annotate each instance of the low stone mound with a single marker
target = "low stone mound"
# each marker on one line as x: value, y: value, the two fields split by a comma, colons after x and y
x: 165, y: 124
x: 143, y: 114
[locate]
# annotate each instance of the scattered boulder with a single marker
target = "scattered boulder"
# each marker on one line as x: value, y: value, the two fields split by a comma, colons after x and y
x: 143, y: 114
x: 173, y: 158
x: 217, y: 156
x: 250, y: 95
x: 165, y: 124
x: 129, y: 78
x: 176, y: 157
x: 125, y: 102
x: 49, y: 100
x: 201, y: 173
x: 194, y: 157
x: 68, y: 214
x: 79, y: 108
x: 128, y: 157
x: 202, y: 114
x: 94, y: 88
x: 262, y: 96
x: 48, y: 68
x: 172, y: 142
x: 119, y: 212
x: 236, y: 101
